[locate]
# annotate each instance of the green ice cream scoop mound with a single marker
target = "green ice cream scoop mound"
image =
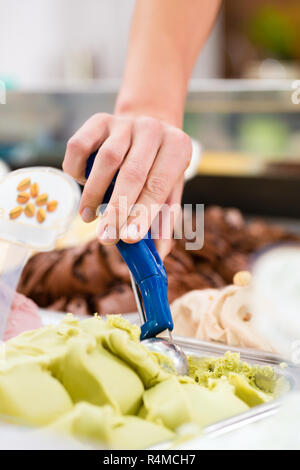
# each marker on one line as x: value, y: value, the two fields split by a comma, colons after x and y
x: 104, y: 425
x: 206, y: 369
x: 94, y: 380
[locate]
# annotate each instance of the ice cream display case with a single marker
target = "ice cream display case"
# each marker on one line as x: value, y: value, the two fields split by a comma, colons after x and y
x: 248, y: 135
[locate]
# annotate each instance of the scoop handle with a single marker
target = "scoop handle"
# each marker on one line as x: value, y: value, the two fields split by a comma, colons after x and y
x: 148, y: 271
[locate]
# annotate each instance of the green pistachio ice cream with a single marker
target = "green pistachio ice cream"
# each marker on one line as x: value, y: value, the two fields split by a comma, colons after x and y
x: 95, y: 381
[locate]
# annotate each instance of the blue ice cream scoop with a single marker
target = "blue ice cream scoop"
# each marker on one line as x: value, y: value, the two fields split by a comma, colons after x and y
x: 150, y: 286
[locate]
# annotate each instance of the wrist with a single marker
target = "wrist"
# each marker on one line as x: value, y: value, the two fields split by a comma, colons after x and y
x: 159, y: 99
x: 138, y: 107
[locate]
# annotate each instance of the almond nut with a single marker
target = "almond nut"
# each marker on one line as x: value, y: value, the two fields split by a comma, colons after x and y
x: 24, y: 184
x: 29, y: 209
x: 52, y: 205
x: 40, y: 216
x: 42, y: 199
x: 22, y: 198
x: 34, y: 189
x: 242, y: 278
x: 16, y: 212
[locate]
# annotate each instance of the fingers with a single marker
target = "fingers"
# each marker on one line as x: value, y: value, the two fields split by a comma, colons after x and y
x: 164, y: 247
x: 147, y: 138
x: 169, y: 165
x: 84, y: 142
x: 107, y: 162
x: 169, y: 218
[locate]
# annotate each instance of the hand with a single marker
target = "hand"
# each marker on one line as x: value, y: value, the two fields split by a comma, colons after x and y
x: 152, y: 157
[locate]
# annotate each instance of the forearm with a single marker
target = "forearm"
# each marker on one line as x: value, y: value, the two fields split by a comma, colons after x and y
x: 166, y: 37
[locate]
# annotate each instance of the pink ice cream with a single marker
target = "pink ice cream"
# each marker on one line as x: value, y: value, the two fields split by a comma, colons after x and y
x: 24, y: 316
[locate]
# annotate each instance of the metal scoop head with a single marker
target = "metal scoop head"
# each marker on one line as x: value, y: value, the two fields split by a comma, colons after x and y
x: 173, y: 353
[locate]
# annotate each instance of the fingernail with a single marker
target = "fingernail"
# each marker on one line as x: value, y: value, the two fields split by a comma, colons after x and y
x: 88, y: 214
x: 130, y: 232
x: 109, y: 234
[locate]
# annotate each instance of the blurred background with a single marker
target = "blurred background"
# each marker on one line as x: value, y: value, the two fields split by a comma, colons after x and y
x: 62, y: 60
